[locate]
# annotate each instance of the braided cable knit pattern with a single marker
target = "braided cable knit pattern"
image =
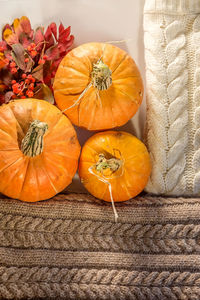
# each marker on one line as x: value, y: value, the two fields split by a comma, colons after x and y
x: 167, y: 98
x: 71, y: 248
x: 172, y: 54
x: 196, y: 156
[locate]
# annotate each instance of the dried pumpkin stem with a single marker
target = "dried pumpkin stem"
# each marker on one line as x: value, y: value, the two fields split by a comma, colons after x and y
x: 110, y: 191
x: 101, y: 76
x: 103, y: 163
x: 112, y: 163
x: 32, y: 143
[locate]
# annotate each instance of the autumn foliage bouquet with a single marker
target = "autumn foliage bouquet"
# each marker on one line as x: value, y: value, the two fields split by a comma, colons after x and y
x: 29, y: 59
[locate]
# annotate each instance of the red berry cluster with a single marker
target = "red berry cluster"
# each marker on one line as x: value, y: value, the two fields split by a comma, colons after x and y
x: 33, y: 53
x: 42, y: 60
x: 11, y: 64
x: 32, y: 50
x: 24, y: 88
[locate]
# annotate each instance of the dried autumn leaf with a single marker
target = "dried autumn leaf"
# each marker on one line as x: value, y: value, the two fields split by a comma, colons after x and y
x: 38, y: 72
x: 25, y: 24
x: 52, y: 53
x: 25, y: 40
x: 43, y: 92
x: 10, y: 37
x: 29, y: 64
x: 18, y: 55
x: 64, y: 35
x: 49, y: 37
x: 61, y: 28
x: 8, y: 96
x: 53, y: 28
x: 17, y: 27
x: 66, y: 45
x: 22, y: 25
x: 39, y: 38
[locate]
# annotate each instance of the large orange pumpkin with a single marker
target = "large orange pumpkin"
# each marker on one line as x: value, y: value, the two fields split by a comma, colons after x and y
x: 39, y: 150
x: 98, y: 86
x: 115, y: 159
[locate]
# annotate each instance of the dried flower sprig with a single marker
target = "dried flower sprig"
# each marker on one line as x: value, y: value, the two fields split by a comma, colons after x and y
x: 29, y: 59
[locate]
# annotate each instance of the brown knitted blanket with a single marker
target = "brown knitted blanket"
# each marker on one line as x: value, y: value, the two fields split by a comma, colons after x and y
x: 72, y: 249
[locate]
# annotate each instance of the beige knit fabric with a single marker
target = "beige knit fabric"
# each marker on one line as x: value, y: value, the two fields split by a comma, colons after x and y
x: 71, y: 248
x: 172, y: 53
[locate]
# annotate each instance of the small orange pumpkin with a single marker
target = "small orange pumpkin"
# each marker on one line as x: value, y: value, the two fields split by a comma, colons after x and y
x: 98, y: 86
x: 116, y: 159
x: 39, y: 150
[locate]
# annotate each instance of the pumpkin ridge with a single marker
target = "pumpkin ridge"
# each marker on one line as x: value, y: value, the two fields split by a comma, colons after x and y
x: 78, y: 60
x: 14, y: 174
x: 46, y: 159
x: 50, y: 111
x: 92, y: 115
x: 113, y: 116
x: 84, y: 101
x: 4, y: 150
x: 16, y: 120
x: 91, y: 148
x: 33, y: 169
x: 122, y: 92
x: 49, y: 131
x: 123, y: 59
x: 9, y: 165
x: 52, y: 133
x: 124, y: 186
x: 60, y: 153
x: 5, y: 132
x: 121, y: 107
x: 71, y: 68
x: 104, y: 191
x: 74, y: 94
x: 5, y: 122
x: 124, y: 78
x: 45, y: 171
x: 24, y: 177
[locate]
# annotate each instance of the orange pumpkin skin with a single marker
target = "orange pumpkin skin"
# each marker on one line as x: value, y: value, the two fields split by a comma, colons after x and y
x: 42, y: 176
x: 129, y: 180
x: 98, y: 109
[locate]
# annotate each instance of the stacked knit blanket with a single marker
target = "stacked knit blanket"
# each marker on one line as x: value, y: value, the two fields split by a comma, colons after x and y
x: 71, y: 248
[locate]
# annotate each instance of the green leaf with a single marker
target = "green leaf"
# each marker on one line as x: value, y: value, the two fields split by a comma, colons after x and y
x: 18, y: 55
x: 43, y: 92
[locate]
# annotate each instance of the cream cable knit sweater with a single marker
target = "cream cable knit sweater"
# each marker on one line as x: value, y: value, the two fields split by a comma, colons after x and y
x: 172, y: 54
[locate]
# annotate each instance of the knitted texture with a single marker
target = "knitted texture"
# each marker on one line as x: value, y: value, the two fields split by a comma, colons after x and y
x: 172, y: 54
x: 71, y: 248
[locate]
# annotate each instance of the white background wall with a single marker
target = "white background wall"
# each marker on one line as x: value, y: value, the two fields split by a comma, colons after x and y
x: 90, y: 20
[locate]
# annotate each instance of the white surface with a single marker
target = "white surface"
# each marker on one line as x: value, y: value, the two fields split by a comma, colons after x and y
x: 90, y: 20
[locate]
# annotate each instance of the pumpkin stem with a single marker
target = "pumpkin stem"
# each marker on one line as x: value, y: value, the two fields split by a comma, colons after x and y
x: 110, y: 191
x: 32, y: 143
x: 101, y: 76
x: 112, y: 163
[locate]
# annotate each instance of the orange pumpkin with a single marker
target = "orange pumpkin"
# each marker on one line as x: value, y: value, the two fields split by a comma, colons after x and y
x: 98, y: 86
x: 117, y: 159
x: 39, y: 150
